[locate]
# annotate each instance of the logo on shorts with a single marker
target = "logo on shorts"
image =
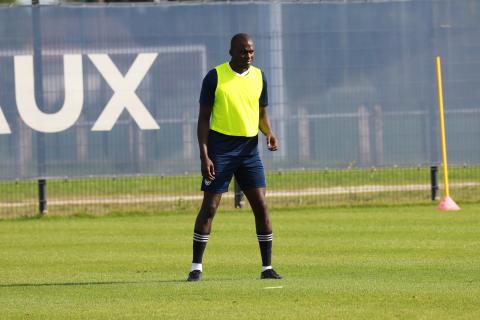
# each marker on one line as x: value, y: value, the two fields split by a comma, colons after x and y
x: 207, y: 182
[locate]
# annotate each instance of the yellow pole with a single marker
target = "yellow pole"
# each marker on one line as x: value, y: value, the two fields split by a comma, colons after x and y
x: 442, y: 127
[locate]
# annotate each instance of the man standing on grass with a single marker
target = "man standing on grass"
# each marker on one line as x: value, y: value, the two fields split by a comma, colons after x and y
x: 233, y: 103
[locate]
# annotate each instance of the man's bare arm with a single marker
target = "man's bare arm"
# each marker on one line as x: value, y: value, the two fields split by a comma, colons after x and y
x: 203, y: 126
x: 265, y: 128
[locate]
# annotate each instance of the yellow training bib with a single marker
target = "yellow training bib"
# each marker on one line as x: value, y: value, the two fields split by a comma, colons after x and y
x: 236, y: 106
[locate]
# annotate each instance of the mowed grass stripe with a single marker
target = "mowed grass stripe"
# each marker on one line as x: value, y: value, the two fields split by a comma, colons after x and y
x: 409, y: 262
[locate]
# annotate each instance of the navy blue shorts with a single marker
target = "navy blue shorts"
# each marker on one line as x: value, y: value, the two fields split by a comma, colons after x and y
x: 234, y: 156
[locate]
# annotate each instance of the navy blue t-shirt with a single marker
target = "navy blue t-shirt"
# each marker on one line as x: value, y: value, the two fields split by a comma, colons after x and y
x: 209, y: 85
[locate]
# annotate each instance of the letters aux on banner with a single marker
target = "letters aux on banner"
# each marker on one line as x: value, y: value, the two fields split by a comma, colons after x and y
x: 123, y: 98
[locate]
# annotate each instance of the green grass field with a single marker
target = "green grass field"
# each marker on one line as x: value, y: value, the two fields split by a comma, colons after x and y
x: 404, y: 262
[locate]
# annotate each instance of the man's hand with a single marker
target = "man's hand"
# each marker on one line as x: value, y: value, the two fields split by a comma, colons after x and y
x: 208, y: 172
x: 272, y: 142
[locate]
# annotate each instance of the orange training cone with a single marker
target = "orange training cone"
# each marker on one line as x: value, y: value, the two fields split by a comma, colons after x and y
x: 447, y: 204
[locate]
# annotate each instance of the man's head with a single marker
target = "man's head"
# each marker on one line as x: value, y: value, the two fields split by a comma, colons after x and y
x: 242, y: 50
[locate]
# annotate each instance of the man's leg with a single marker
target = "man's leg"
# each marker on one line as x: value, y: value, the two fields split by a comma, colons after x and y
x: 263, y: 224
x: 201, y: 232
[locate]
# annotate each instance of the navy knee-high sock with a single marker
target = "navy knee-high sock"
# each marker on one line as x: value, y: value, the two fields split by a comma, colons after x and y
x: 265, y: 242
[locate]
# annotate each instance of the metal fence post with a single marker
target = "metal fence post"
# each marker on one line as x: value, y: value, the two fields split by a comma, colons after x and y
x: 378, y: 133
x: 188, y: 136
x: 238, y: 199
x: 42, y: 196
x: 364, y: 136
x: 434, y: 181
x: 303, y: 135
x: 38, y: 75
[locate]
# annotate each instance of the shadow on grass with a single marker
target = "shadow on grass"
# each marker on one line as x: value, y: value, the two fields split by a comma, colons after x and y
x: 103, y: 283
x: 93, y: 283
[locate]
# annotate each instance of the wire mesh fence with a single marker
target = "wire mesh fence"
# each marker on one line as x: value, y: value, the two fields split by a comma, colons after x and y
x: 150, y: 195
x: 104, y: 108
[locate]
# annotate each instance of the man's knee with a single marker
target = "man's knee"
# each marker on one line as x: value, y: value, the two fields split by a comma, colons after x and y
x: 260, y: 206
x: 209, y: 206
x: 208, y: 210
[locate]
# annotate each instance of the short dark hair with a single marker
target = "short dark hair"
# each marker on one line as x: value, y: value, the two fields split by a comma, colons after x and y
x: 237, y: 37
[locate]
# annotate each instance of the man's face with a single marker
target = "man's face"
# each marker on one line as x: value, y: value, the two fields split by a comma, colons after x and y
x: 243, y: 52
